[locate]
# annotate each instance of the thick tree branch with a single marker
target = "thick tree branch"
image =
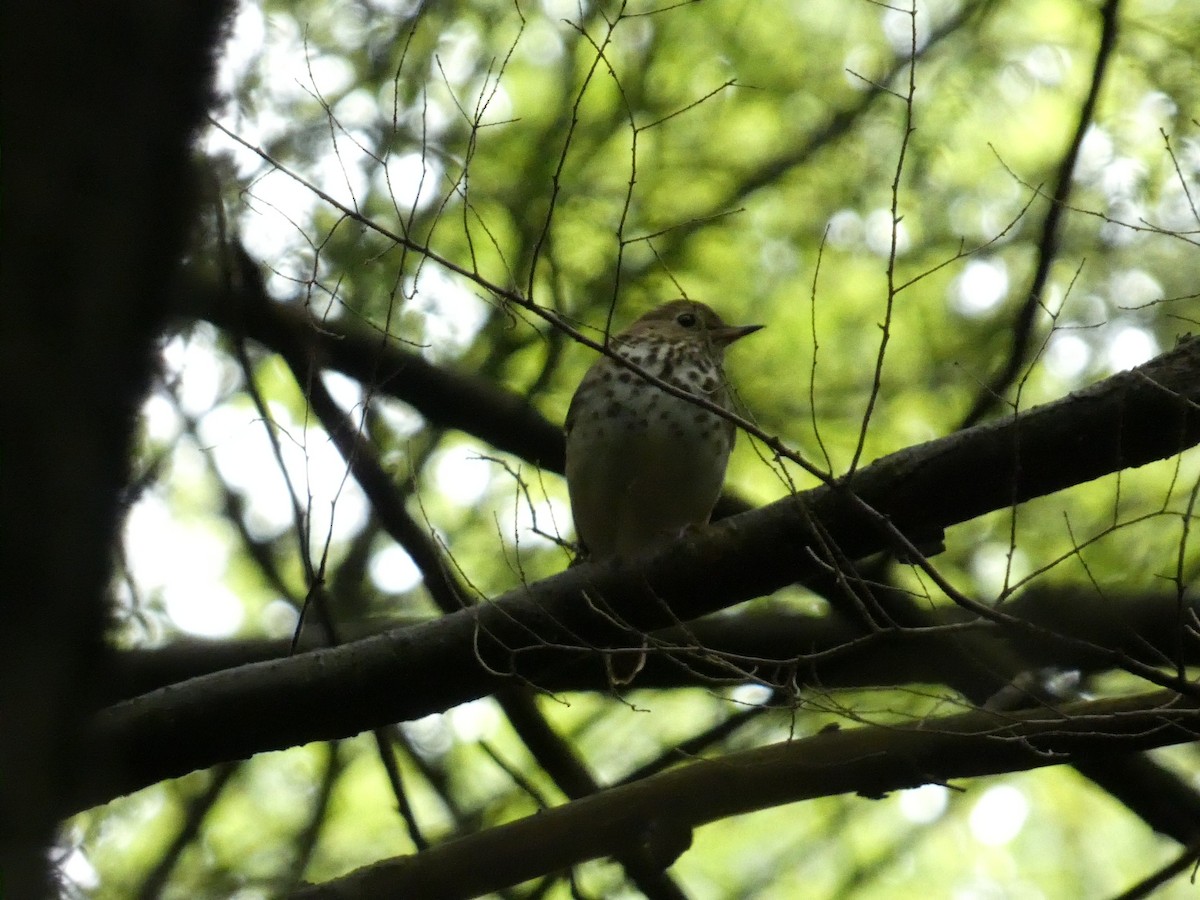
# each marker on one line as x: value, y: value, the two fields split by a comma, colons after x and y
x: 1125, y: 421
x: 870, y: 760
x: 832, y: 651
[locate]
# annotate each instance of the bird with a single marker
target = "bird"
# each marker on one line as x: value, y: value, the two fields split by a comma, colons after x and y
x: 644, y: 466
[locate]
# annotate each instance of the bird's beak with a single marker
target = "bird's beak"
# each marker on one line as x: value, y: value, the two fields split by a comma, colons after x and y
x: 727, y: 334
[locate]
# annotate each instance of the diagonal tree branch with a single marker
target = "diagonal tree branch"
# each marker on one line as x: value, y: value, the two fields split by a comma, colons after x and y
x: 444, y: 397
x: 870, y: 760
x: 1048, y: 242
x: 1125, y: 421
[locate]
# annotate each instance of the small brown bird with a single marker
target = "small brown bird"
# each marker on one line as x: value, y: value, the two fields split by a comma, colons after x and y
x: 642, y: 464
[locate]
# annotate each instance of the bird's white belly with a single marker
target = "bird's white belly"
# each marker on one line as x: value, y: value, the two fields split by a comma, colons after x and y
x: 646, y: 476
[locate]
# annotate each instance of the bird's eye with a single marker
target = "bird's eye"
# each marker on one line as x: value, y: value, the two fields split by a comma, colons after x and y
x: 687, y: 320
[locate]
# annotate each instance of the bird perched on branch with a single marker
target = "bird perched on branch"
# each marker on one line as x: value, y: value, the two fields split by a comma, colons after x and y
x: 643, y: 465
